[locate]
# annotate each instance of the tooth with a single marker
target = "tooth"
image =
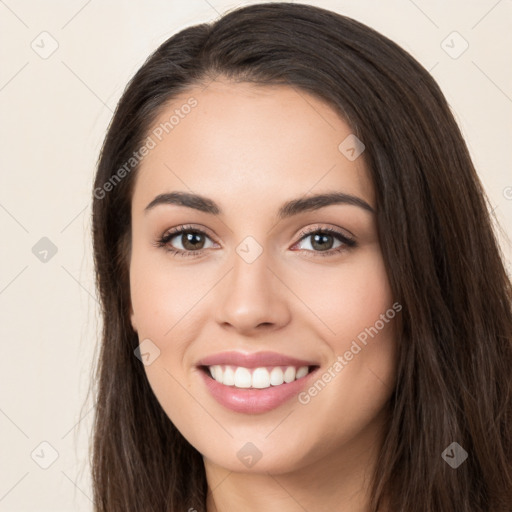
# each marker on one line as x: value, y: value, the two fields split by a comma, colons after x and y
x: 217, y: 373
x: 301, y: 372
x: 228, y: 379
x: 276, y: 376
x: 242, y: 378
x: 260, y: 378
x: 289, y: 374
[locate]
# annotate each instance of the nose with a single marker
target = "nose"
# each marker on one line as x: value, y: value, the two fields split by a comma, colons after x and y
x: 253, y: 296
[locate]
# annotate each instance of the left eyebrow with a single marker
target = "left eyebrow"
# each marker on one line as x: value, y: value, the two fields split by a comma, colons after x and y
x: 288, y: 209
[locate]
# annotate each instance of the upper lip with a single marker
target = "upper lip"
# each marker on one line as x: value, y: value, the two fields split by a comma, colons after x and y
x: 255, y: 360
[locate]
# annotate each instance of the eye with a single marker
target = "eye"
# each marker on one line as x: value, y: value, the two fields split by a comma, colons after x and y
x: 322, y: 241
x: 191, y: 239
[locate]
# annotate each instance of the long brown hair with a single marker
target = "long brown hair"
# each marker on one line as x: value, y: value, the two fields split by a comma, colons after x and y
x: 438, y: 242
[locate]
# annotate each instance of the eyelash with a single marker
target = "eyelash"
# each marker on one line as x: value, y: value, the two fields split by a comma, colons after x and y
x: 164, y: 240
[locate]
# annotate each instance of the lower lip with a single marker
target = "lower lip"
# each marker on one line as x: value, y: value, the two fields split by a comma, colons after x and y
x: 254, y: 401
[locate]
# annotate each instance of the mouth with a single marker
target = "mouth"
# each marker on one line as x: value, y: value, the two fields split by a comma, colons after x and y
x: 256, y: 390
x: 255, y: 383
x: 256, y: 378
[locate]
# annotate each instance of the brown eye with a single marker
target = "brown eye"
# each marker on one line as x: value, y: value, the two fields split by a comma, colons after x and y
x: 191, y: 240
x: 322, y: 241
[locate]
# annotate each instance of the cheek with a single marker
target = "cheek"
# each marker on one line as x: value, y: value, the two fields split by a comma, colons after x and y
x: 163, y: 303
x: 346, y: 300
x: 166, y: 301
x: 162, y: 295
x: 353, y: 308
x: 356, y: 305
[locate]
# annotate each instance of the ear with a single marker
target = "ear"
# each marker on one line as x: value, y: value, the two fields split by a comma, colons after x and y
x: 132, y: 319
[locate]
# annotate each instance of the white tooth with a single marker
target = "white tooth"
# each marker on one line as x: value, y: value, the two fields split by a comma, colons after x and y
x: 228, y: 379
x: 260, y: 378
x: 301, y: 372
x: 217, y: 373
x: 289, y: 374
x: 276, y: 376
x: 242, y: 378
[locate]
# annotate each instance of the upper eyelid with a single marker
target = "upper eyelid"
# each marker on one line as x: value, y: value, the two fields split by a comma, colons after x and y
x: 186, y: 227
x: 310, y: 230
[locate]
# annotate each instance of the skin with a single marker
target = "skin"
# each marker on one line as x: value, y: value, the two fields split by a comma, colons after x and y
x: 250, y: 148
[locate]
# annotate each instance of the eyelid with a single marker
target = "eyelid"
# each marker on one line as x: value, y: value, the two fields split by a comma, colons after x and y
x: 188, y: 227
x: 326, y: 228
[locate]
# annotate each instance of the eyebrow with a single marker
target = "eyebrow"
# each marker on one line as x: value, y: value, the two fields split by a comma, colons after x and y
x: 288, y: 209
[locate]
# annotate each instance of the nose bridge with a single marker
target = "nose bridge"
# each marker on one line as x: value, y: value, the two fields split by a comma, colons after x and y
x: 250, y: 263
x: 250, y: 296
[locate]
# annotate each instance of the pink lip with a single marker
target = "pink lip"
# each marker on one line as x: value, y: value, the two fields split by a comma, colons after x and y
x: 255, y: 401
x: 256, y: 360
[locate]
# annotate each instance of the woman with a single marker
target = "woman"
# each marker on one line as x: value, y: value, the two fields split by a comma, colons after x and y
x: 304, y: 303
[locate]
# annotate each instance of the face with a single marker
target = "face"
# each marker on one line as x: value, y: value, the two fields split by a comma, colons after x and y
x: 268, y: 330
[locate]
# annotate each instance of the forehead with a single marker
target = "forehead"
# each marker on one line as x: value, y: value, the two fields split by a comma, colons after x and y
x: 249, y: 141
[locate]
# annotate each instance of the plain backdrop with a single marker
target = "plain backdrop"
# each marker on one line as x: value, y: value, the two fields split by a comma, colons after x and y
x: 63, y: 67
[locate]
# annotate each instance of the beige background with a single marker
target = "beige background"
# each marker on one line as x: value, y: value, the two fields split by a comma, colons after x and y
x: 55, y: 111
